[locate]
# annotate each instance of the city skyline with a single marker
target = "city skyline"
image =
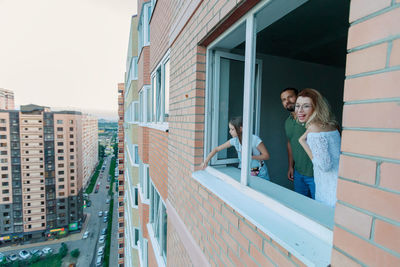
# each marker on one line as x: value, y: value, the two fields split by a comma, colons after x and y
x: 79, y: 48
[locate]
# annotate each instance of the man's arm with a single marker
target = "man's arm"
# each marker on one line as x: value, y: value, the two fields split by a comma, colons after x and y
x: 290, y: 162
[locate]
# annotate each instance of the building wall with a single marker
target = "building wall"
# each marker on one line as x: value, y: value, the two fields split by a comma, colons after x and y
x: 32, y: 172
x: 89, y: 139
x: 6, y: 99
x: 159, y: 25
x: 367, y: 217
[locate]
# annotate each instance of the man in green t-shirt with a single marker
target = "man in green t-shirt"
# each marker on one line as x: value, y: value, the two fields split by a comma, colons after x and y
x: 300, y: 165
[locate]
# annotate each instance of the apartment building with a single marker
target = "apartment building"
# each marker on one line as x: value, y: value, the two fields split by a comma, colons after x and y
x: 89, y: 155
x: 121, y: 178
x: 6, y: 99
x: 202, y: 62
x: 131, y: 158
x: 41, y: 172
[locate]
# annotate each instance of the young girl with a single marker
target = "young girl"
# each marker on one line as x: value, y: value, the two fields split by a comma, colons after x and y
x: 259, y: 151
x: 321, y: 142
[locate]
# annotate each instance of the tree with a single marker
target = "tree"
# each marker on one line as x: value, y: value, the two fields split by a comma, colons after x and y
x: 63, y: 250
x: 75, y: 253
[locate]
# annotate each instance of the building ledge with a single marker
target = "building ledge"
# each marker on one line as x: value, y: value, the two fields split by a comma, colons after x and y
x: 306, y: 239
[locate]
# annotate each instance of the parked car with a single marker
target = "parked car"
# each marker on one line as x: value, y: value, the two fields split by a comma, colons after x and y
x: 108, y: 201
x: 47, y: 250
x: 99, y: 261
x: 100, y: 213
x: 85, y: 235
x: 104, y: 231
x: 107, y: 186
x: 35, y: 252
x: 106, y: 213
x: 24, y: 254
x: 105, y: 219
x: 88, y: 203
x: 12, y: 257
x: 100, y: 251
x: 102, y: 239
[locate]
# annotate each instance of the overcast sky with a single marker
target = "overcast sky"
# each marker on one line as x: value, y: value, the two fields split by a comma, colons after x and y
x: 65, y: 53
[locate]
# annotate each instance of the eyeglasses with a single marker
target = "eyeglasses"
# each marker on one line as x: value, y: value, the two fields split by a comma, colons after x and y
x: 304, y: 106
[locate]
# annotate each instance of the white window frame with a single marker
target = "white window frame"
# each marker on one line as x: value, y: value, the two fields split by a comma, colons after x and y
x: 142, y: 247
x: 144, y: 105
x: 156, y: 223
x: 144, y: 182
x: 215, y: 124
x: 315, y: 229
x: 160, y: 92
x: 144, y: 27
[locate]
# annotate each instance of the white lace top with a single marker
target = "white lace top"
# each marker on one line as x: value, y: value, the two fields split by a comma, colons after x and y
x: 325, y: 148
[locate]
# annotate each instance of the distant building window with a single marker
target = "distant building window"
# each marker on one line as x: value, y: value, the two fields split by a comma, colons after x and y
x: 60, y: 129
x: 3, y: 136
x: 3, y: 129
x: 59, y: 122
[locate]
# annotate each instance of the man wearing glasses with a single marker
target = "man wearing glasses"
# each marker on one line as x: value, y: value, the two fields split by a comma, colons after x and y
x: 300, y: 166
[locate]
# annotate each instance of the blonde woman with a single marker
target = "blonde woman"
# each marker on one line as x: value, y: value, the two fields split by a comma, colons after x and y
x: 321, y: 142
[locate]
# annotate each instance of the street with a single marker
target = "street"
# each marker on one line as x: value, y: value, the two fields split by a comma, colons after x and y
x: 94, y: 224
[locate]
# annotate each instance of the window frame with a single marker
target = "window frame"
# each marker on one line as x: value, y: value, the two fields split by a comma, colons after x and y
x: 158, y: 114
x: 144, y: 26
x: 312, y: 226
x: 157, y: 219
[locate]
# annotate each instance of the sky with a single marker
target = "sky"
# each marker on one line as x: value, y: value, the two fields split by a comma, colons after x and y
x: 65, y: 53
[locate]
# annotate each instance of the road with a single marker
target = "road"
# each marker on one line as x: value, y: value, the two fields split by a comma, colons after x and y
x: 88, y: 247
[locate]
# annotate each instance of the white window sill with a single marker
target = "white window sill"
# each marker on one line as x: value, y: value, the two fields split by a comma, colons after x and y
x: 161, y: 126
x: 276, y: 211
x: 156, y: 247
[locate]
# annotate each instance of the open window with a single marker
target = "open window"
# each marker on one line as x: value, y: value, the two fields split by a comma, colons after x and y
x: 299, y: 44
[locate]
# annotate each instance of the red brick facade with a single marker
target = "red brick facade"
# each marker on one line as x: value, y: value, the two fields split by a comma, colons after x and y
x: 367, y: 217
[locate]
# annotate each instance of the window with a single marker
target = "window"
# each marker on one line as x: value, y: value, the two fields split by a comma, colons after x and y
x: 132, y: 113
x: 144, y: 180
x: 160, y: 90
x: 136, y: 193
x: 142, y: 250
x: 3, y: 136
x: 144, y: 27
x: 60, y: 143
x: 158, y: 221
x: 3, y: 128
x: 145, y: 104
x: 60, y: 129
x: 59, y: 122
x: 253, y: 56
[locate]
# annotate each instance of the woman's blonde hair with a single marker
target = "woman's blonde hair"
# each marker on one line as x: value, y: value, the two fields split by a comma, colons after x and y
x: 322, y: 114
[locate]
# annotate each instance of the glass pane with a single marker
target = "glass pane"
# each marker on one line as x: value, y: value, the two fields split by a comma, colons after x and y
x: 166, y: 89
x: 148, y: 111
x: 154, y: 90
x: 231, y: 75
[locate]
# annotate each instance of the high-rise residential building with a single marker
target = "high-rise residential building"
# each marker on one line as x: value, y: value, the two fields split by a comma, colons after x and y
x: 131, y: 158
x: 120, y: 179
x: 42, y: 171
x: 6, y: 99
x: 89, y: 140
x: 203, y: 62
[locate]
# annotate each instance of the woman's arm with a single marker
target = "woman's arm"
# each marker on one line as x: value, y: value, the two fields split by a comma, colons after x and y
x: 264, y: 152
x: 225, y: 145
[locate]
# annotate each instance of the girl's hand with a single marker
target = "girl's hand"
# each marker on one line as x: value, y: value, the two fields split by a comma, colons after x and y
x: 203, y: 165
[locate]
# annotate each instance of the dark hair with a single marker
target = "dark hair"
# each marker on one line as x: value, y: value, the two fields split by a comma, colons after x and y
x: 295, y: 91
x: 237, y: 122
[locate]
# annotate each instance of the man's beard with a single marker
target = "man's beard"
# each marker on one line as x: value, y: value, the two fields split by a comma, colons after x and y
x: 290, y: 107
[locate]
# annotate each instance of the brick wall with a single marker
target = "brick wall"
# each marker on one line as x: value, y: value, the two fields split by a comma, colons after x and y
x: 179, y: 258
x: 143, y: 217
x: 143, y: 136
x: 158, y: 159
x: 367, y: 218
x: 159, y: 26
x: 224, y: 236
x: 144, y: 67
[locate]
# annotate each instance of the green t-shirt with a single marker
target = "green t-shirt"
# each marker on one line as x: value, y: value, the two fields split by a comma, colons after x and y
x: 302, y: 162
